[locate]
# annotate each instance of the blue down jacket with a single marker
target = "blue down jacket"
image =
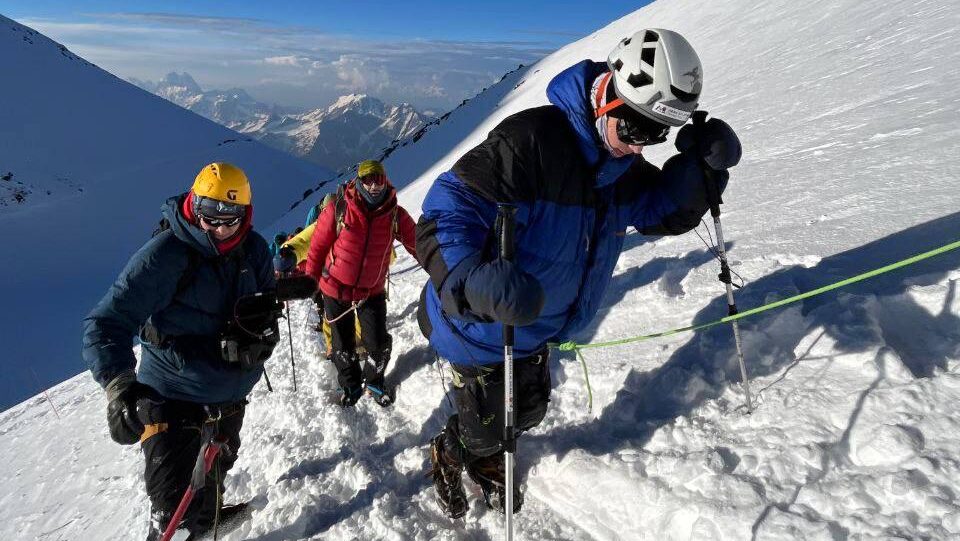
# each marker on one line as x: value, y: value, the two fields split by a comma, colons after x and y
x: 575, y: 202
x: 190, y: 315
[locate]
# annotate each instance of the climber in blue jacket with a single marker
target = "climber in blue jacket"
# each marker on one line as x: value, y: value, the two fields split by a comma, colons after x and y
x: 575, y: 171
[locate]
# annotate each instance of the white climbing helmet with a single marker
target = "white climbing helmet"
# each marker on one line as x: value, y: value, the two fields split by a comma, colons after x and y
x: 657, y: 73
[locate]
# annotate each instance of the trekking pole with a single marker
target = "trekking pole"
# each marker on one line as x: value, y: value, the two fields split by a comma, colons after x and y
x: 713, y: 197
x: 505, y: 230
x: 208, y: 453
x: 293, y: 361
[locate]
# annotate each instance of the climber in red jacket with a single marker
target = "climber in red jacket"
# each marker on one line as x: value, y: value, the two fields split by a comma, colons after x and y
x: 349, y: 256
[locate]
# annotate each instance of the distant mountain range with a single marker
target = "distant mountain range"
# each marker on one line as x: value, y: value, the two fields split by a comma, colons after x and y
x: 355, y: 127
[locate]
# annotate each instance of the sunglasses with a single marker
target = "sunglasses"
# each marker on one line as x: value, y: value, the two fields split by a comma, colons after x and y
x: 641, y: 131
x: 217, y: 222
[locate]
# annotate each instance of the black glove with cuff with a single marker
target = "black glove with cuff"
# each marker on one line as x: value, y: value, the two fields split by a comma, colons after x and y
x: 123, y: 392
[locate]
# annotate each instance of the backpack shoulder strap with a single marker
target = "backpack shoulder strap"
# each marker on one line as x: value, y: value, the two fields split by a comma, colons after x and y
x: 193, y: 264
x: 340, y: 207
x: 193, y: 258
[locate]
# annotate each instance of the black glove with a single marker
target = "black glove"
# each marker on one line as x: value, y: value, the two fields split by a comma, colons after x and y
x: 499, y: 290
x: 298, y: 286
x: 122, y: 394
x: 285, y: 261
x: 713, y: 140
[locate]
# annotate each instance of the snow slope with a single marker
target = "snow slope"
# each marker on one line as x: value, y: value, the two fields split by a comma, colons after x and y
x: 848, y: 113
x: 86, y: 160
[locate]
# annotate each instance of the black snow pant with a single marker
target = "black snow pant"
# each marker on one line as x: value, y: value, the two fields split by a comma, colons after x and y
x: 476, y: 430
x: 171, y: 445
x: 372, y: 315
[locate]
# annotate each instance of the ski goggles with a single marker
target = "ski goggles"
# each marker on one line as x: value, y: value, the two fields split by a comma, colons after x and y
x: 373, y: 179
x: 216, y: 213
x: 640, y: 130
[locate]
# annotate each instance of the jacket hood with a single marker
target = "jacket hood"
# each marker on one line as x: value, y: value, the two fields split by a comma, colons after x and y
x: 570, y: 91
x: 185, y: 229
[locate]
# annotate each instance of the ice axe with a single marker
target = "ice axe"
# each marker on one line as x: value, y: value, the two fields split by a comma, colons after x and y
x: 208, y: 453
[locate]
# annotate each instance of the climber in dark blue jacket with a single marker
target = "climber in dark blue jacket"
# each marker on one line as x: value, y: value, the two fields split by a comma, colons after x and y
x: 178, y: 293
x: 575, y: 171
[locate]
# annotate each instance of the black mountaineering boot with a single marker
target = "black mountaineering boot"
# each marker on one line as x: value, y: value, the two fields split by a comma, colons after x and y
x: 447, y: 474
x: 489, y: 473
x: 373, y: 374
x: 349, y: 397
x: 348, y: 376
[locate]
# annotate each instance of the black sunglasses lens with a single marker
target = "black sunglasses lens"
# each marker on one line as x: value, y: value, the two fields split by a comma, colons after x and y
x: 641, y: 132
x: 217, y: 222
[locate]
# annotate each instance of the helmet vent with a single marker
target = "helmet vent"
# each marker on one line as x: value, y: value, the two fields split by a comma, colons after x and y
x: 637, y: 80
x: 648, y: 54
x: 684, y: 96
x: 650, y: 37
x: 618, y: 64
x: 626, y: 41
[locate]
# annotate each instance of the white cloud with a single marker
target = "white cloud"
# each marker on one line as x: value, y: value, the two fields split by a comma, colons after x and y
x: 287, y: 65
x: 359, y: 73
x: 290, y: 60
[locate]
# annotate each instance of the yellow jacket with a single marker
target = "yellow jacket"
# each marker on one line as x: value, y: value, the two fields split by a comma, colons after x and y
x: 301, y: 242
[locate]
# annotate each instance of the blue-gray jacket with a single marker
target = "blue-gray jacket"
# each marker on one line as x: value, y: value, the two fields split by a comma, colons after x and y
x: 190, y: 317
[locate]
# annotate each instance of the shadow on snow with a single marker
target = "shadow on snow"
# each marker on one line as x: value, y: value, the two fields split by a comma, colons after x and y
x: 699, y: 370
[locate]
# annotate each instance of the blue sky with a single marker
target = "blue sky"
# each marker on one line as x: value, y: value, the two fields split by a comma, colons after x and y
x: 297, y: 53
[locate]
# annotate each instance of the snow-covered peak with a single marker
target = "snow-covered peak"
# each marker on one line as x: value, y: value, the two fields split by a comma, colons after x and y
x: 353, y: 128
x: 182, y: 80
x: 364, y: 124
x: 350, y: 101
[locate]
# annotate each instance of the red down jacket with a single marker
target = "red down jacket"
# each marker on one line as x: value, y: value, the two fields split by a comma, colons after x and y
x: 352, y: 265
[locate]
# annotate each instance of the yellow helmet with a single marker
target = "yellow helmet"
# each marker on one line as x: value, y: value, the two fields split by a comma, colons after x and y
x: 223, y: 182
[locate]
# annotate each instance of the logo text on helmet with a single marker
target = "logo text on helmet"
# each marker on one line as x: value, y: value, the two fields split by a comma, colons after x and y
x: 232, y: 195
x: 662, y: 109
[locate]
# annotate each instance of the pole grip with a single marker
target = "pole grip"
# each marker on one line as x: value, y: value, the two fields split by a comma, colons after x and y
x: 709, y: 175
x: 505, y: 229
